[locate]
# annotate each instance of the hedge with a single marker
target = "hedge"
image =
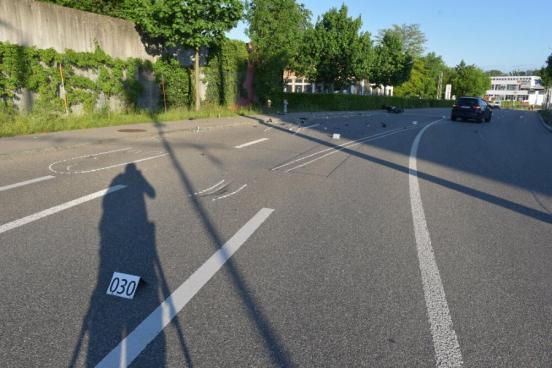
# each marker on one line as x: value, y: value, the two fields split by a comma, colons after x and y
x: 340, y: 102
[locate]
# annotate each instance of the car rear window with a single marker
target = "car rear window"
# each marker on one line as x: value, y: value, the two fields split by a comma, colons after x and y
x: 467, y: 101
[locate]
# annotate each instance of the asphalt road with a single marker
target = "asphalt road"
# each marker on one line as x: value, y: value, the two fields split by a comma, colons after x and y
x: 410, y: 241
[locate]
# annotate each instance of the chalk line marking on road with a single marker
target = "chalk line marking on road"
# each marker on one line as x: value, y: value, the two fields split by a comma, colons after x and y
x: 305, y: 127
x: 51, y: 167
x: 230, y: 194
x: 132, y: 345
x: 58, y: 208
x: 252, y: 143
x: 210, y: 188
x: 26, y: 182
x: 445, y: 341
x: 267, y: 129
x: 353, y: 144
x: 332, y: 148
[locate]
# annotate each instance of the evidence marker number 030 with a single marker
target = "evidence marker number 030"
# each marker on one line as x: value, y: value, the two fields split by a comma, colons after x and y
x: 123, y: 285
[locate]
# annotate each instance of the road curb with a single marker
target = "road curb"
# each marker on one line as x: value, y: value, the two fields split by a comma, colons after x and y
x: 544, y: 123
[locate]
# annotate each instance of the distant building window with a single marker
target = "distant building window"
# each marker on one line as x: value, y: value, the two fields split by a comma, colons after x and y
x: 298, y: 89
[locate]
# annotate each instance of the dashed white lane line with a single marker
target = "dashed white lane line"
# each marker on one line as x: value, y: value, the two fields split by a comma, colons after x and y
x: 230, y: 194
x: 445, y: 341
x: 105, y: 167
x: 132, y: 345
x: 252, y: 143
x: 59, y: 208
x: 26, y: 182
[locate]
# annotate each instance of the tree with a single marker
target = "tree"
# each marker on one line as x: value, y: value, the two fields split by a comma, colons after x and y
x: 469, y: 80
x: 424, y: 77
x: 546, y: 73
x: 114, y: 8
x: 412, y: 37
x: 392, y: 64
x: 494, y: 73
x: 336, y: 52
x: 276, y: 29
x: 193, y: 24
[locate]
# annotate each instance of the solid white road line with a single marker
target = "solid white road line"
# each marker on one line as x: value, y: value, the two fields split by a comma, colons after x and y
x: 210, y: 188
x: 356, y: 143
x: 332, y: 148
x: 230, y: 194
x: 26, y: 182
x: 445, y: 342
x: 132, y: 345
x: 251, y: 143
x: 59, y: 208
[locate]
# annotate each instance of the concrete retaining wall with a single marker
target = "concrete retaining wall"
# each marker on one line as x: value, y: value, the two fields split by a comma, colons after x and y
x: 44, y: 25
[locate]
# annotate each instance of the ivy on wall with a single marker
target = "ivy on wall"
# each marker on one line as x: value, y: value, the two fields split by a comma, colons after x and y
x: 91, y: 77
x: 86, y: 76
x: 226, y: 72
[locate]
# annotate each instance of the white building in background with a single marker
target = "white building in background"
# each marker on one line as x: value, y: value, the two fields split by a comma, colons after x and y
x: 525, y: 89
x: 298, y: 84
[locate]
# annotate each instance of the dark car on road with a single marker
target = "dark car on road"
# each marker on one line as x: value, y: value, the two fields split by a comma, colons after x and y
x: 471, y: 108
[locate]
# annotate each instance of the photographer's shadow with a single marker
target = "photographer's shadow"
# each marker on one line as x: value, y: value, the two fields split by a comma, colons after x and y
x: 127, y: 245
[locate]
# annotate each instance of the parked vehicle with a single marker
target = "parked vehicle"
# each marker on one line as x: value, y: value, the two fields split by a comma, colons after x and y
x: 471, y: 108
x: 495, y: 105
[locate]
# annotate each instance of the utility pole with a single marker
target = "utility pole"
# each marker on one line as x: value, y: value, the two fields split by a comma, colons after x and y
x: 440, y: 86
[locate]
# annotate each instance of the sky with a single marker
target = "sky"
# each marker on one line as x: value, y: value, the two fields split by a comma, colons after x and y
x: 506, y: 35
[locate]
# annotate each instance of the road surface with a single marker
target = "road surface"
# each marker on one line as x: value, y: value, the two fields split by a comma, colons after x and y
x: 410, y: 241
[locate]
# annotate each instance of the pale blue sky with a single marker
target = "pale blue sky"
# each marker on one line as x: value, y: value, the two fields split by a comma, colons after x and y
x: 505, y: 34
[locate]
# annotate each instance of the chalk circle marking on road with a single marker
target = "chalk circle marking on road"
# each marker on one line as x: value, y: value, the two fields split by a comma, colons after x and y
x: 137, y: 340
x: 445, y: 341
x: 230, y: 194
x: 52, y: 166
x: 123, y: 285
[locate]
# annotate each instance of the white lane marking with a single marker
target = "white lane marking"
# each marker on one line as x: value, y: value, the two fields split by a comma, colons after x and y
x: 356, y: 143
x: 85, y: 156
x: 26, y: 182
x: 445, y: 342
x: 120, y: 164
x: 211, y: 187
x: 251, y: 143
x: 230, y: 194
x: 332, y: 148
x: 58, y: 208
x: 105, y: 167
x: 132, y: 345
x: 311, y: 126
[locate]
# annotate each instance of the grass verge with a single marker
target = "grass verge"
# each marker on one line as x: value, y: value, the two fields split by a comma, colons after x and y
x: 12, y: 124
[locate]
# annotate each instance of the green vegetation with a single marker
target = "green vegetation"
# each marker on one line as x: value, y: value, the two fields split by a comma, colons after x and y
x: 339, y: 102
x: 276, y: 29
x: 12, y: 124
x: 337, y: 53
x: 193, y: 24
x: 411, y: 36
x: 423, y: 77
x: 469, y: 80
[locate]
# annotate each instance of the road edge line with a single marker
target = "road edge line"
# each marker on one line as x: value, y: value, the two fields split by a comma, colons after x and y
x: 445, y: 341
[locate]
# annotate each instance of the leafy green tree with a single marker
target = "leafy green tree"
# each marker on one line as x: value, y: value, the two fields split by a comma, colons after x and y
x: 276, y: 29
x: 114, y: 8
x: 469, y: 80
x: 424, y: 78
x: 392, y: 64
x: 494, y: 73
x: 193, y: 24
x: 336, y: 51
x: 546, y: 73
x: 412, y: 37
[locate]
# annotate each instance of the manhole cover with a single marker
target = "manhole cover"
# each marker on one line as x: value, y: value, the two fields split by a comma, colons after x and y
x: 131, y: 130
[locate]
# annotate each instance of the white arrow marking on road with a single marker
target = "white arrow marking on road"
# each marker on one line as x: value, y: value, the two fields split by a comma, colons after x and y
x: 132, y: 345
x: 445, y: 342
